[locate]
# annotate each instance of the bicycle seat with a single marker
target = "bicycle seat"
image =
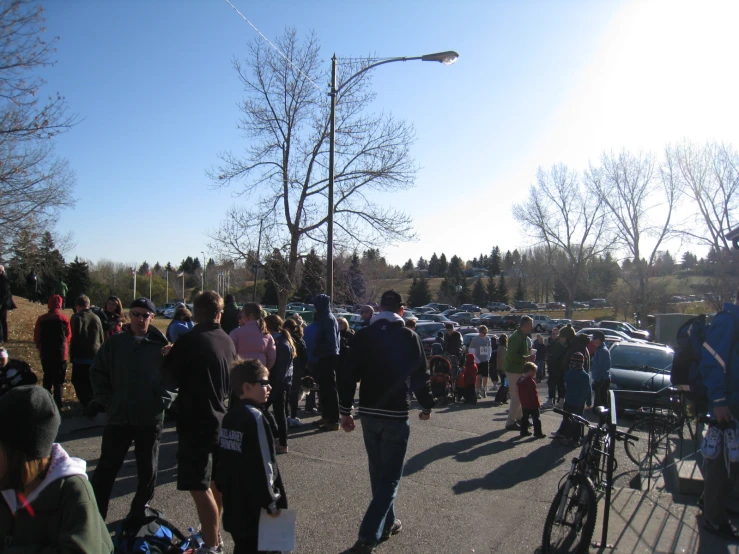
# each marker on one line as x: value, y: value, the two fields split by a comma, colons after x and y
x: 600, y: 411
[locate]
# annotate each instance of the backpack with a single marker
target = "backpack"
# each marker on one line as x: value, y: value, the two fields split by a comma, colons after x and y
x: 150, y: 534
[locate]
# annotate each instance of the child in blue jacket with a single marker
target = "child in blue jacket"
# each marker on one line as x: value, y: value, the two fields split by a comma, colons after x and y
x: 578, y: 394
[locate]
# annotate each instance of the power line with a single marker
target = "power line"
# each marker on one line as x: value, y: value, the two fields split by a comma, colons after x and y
x: 272, y: 45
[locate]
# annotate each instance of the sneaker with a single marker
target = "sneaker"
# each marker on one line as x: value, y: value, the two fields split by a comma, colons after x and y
x: 279, y: 449
x: 731, y: 444
x: 396, y: 528
x: 361, y: 547
x: 560, y: 405
x: 209, y: 550
x: 547, y: 405
x: 329, y: 426
x: 556, y: 435
x: 484, y: 393
x: 294, y: 422
x: 711, y: 446
x: 513, y: 427
x: 479, y: 396
x: 724, y: 530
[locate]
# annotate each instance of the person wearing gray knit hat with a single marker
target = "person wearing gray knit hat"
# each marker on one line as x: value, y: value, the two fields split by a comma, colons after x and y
x: 48, y: 502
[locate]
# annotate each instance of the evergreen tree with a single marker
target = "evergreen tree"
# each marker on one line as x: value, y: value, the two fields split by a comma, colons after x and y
x: 422, y: 292
x: 275, y: 271
x: 51, y: 265
x: 157, y: 268
x: 143, y: 268
x: 455, y: 271
x: 495, y: 262
x: 357, y: 286
x: 491, y: 290
x: 443, y: 266
x: 520, y: 292
x: 422, y: 264
x: 446, y: 292
x: 78, y: 280
x: 516, y: 258
x: 464, y: 296
x: 508, y: 261
x: 408, y: 266
x: 312, y: 278
x: 502, y: 290
x: 478, y: 292
x: 433, y: 265
x: 689, y: 260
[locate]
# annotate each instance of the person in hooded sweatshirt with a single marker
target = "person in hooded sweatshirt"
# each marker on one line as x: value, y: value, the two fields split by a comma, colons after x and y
x: 230, y: 316
x: 467, y: 380
x: 48, y: 506
x: 326, y: 352
x: 52, y: 334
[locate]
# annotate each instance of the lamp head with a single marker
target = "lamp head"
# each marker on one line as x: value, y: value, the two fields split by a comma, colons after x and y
x: 447, y: 58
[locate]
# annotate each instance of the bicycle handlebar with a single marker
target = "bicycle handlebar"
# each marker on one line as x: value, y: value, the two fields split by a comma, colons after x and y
x: 620, y: 435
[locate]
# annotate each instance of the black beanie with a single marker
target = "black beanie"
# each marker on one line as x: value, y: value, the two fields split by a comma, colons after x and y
x: 31, y: 420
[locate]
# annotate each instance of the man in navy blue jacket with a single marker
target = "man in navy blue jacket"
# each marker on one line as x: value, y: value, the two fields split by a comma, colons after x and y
x: 326, y: 351
x: 388, y: 360
x: 719, y: 368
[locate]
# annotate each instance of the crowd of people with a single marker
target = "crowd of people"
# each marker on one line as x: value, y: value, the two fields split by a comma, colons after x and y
x: 234, y: 377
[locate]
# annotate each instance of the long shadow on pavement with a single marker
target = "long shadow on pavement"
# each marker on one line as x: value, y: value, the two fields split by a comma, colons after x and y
x: 533, y: 465
x: 452, y: 449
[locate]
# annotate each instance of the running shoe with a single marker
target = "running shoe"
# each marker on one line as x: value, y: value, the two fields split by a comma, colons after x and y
x: 547, y: 405
x: 730, y: 442
x: 711, y: 446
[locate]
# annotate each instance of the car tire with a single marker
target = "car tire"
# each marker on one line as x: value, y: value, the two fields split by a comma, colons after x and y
x: 538, y: 329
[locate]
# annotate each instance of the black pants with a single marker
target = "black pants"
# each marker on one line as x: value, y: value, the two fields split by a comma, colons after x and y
x: 116, y: 442
x: 278, y: 399
x: 535, y: 419
x: 81, y: 383
x: 601, y: 392
x: 556, y: 385
x: 468, y: 394
x: 328, y: 395
x: 54, y: 374
x: 4, y: 325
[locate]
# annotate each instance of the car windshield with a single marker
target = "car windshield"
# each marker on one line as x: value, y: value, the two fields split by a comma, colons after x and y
x: 649, y: 359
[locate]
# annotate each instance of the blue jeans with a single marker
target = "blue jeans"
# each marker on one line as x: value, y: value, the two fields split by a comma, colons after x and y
x: 386, y: 441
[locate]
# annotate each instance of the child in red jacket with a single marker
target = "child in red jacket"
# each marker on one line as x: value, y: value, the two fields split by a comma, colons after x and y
x: 529, y: 396
x: 466, y: 381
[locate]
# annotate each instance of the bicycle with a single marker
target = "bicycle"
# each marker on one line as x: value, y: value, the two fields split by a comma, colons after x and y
x: 666, y: 416
x: 571, y: 518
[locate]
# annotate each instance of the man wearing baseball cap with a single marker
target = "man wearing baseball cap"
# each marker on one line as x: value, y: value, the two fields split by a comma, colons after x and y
x: 126, y: 380
x: 388, y: 361
x: 600, y: 369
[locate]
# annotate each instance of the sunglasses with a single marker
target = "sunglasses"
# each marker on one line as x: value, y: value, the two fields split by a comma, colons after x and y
x: 263, y: 382
x: 142, y: 315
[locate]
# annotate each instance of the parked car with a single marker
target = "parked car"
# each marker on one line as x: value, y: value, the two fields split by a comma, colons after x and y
x: 555, y: 306
x: 540, y: 322
x: 639, y: 367
x: 463, y: 318
x: 451, y: 311
x: 302, y: 307
x: 434, y: 317
x: 492, y: 321
x: 509, y: 322
x: 437, y: 306
x: 423, y: 310
x: 164, y: 307
x: 498, y: 307
x: 610, y: 333
x: 627, y: 328
x: 471, y: 308
x: 598, y: 303
x: 552, y: 323
x: 577, y: 305
x: 525, y: 305
x: 578, y: 324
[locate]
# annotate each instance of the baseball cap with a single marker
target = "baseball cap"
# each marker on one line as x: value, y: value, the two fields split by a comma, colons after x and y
x: 391, y: 299
x: 145, y: 304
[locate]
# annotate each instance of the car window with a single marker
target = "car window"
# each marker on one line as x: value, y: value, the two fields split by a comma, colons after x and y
x: 629, y: 357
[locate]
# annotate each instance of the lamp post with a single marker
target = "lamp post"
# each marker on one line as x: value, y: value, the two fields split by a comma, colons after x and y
x: 447, y: 58
x: 202, y: 274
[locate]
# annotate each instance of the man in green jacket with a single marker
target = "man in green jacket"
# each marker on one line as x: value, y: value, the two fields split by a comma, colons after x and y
x: 516, y: 356
x: 126, y: 380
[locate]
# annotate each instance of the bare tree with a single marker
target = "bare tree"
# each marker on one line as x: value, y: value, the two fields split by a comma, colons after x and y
x: 640, y: 199
x: 283, y: 172
x: 709, y: 177
x: 34, y: 183
x: 567, y: 222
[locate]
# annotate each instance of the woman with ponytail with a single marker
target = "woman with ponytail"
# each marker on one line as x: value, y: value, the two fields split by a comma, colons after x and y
x: 252, y: 340
x: 281, y: 378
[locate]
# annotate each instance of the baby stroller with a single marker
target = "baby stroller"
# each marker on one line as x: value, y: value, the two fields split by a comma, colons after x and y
x: 441, y: 378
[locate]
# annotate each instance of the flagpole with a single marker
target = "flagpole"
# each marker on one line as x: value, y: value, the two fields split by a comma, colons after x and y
x: 151, y: 275
x: 166, y: 301
x: 133, y: 272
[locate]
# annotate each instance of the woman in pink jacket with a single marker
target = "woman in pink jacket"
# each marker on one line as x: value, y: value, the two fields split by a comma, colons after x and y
x: 252, y: 339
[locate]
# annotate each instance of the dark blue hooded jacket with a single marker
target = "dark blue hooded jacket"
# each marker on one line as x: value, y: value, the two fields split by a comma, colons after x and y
x: 327, y: 336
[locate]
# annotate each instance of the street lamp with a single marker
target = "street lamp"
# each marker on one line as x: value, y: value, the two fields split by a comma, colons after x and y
x: 202, y: 274
x: 447, y: 58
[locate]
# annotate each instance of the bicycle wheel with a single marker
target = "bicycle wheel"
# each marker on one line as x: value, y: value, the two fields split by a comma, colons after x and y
x: 573, y: 533
x: 640, y: 451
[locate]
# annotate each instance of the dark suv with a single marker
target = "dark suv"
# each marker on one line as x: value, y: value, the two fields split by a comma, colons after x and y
x: 509, y: 322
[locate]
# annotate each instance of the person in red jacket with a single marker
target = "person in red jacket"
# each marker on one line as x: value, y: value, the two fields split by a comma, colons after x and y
x: 52, y: 334
x: 529, y: 396
x: 466, y: 381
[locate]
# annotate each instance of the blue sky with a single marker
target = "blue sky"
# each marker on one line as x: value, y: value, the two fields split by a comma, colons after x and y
x: 537, y: 83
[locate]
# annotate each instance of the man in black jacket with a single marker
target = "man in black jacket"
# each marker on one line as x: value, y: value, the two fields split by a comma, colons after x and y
x: 230, y: 318
x: 387, y: 359
x: 87, y: 338
x: 199, y: 364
